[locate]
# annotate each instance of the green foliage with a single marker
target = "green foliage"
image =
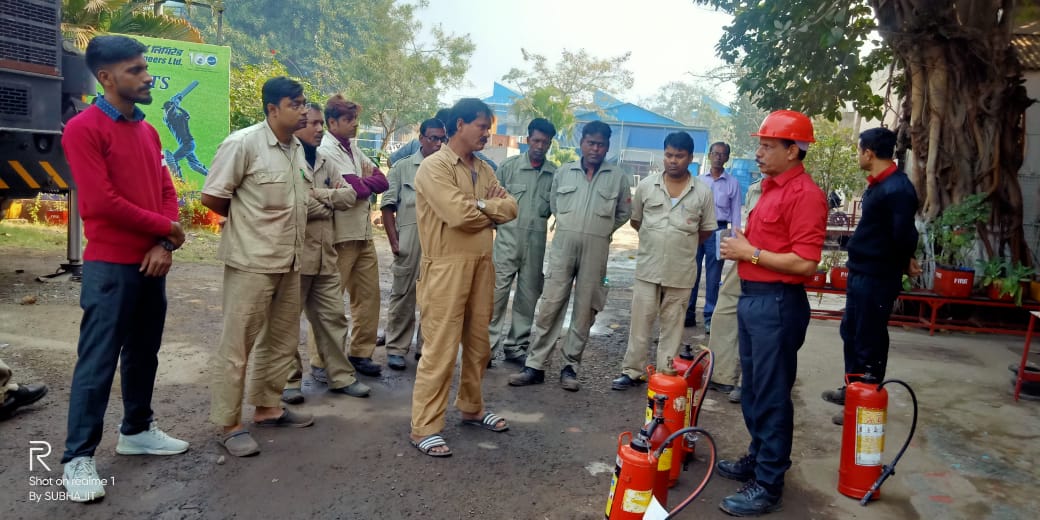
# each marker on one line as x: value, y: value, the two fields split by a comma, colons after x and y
x: 561, y: 155
x: 189, y: 202
x: 577, y: 76
x: 296, y: 32
x: 548, y: 102
x: 805, y: 55
x: 1006, y: 276
x: 955, y: 230
x: 395, y: 79
x: 831, y: 160
x: 34, y: 209
x: 246, y: 82
x: 746, y: 119
x: 81, y: 20
x: 369, y: 50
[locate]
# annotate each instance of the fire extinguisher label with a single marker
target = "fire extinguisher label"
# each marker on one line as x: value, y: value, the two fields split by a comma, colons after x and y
x: 636, y: 501
x: 870, y: 436
x: 665, y: 462
x: 649, y: 405
x: 689, y: 409
x: 610, y: 498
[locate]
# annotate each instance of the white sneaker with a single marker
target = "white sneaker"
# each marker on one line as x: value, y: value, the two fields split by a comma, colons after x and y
x: 152, y: 441
x: 81, y: 480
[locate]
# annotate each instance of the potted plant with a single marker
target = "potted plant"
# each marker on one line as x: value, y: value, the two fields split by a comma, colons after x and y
x: 1010, y: 285
x: 954, y: 233
x: 839, y: 274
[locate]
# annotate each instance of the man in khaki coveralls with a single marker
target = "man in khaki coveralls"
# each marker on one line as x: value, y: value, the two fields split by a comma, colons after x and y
x: 520, y: 245
x: 14, y: 396
x: 725, y: 377
x: 320, y: 290
x: 591, y: 200
x: 398, y: 209
x: 257, y: 181
x: 458, y: 202
x: 357, y: 261
x: 673, y: 213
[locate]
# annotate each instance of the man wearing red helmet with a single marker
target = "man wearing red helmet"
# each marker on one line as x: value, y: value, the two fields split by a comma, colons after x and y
x: 777, y: 252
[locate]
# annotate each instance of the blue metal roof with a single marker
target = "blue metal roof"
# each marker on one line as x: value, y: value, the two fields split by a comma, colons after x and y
x: 502, y: 95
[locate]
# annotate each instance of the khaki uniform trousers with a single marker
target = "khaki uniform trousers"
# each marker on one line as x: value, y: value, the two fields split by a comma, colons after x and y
x: 359, y: 277
x: 455, y: 300
x: 5, y: 381
x: 525, y: 266
x: 323, y: 305
x: 723, y: 339
x: 262, y: 317
x: 581, y: 259
x: 400, y: 317
x: 654, y: 302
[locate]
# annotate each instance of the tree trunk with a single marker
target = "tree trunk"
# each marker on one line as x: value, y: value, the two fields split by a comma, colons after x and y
x: 964, y: 104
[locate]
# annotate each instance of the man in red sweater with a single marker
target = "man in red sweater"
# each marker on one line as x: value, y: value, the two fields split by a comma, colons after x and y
x: 129, y: 209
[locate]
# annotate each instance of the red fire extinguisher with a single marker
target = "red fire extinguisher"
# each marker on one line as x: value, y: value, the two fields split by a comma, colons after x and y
x: 659, y: 431
x: 695, y: 370
x: 635, y: 471
x: 669, y: 384
x: 860, y: 470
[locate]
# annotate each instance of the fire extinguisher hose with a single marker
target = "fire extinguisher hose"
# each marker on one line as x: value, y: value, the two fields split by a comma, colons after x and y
x: 890, y: 469
x: 707, y: 476
x: 707, y: 377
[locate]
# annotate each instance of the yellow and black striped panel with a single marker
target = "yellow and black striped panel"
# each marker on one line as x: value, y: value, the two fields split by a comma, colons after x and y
x: 20, y: 178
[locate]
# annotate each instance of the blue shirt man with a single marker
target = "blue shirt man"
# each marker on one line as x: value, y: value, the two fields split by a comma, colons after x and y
x: 727, y: 211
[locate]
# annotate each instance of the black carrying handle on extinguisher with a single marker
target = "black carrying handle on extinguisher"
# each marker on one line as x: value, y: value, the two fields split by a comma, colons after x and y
x: 707, y: 377
x: 890, y: 469
x: 656, y: 454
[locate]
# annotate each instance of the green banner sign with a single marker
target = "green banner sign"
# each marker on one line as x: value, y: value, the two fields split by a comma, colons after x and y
x: 190, y: 107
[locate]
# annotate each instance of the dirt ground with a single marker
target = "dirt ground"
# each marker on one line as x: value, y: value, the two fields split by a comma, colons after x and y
x: 975, y: 454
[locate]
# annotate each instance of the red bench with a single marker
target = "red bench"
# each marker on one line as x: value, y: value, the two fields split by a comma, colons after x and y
x: 934, y: 302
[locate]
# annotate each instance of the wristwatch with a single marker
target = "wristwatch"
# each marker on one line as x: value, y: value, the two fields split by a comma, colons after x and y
x: 167, y: 245
x: 481, y: 205
x: 754, y: 257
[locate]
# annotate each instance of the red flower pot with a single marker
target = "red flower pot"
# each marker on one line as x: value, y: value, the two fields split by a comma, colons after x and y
x: 819, y: 279
x: 994, y: 293
x: 953, y: 282
x: 840, y: 277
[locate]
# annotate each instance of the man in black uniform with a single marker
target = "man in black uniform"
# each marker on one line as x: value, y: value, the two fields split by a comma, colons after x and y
x: 881, y: 249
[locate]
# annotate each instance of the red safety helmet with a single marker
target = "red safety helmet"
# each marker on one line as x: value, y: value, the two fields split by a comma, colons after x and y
x: 787, y: 124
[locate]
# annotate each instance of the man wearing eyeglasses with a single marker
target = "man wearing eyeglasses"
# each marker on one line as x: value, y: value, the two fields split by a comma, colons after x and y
x: 257, y: 181
x: 726, y: 190
x: 398, y: 208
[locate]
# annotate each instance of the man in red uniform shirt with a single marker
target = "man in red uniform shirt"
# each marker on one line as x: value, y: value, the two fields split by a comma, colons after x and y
x: 129, y: 209
x: 776, y: 254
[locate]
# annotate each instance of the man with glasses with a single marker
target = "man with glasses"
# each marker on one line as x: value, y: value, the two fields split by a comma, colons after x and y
x: 411, y: 147
x: 726, y: 190
x: 257, y: 181
x: 520, y: 244
x: 591, y: 199
x: 398, y: 208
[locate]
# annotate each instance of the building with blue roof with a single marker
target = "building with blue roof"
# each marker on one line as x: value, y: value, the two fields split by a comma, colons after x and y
x: 638, y: 133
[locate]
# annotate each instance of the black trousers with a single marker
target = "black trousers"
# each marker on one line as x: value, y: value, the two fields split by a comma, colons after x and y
x: 864, y: 326
x: 123, y: 316
x: 772, y: 320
